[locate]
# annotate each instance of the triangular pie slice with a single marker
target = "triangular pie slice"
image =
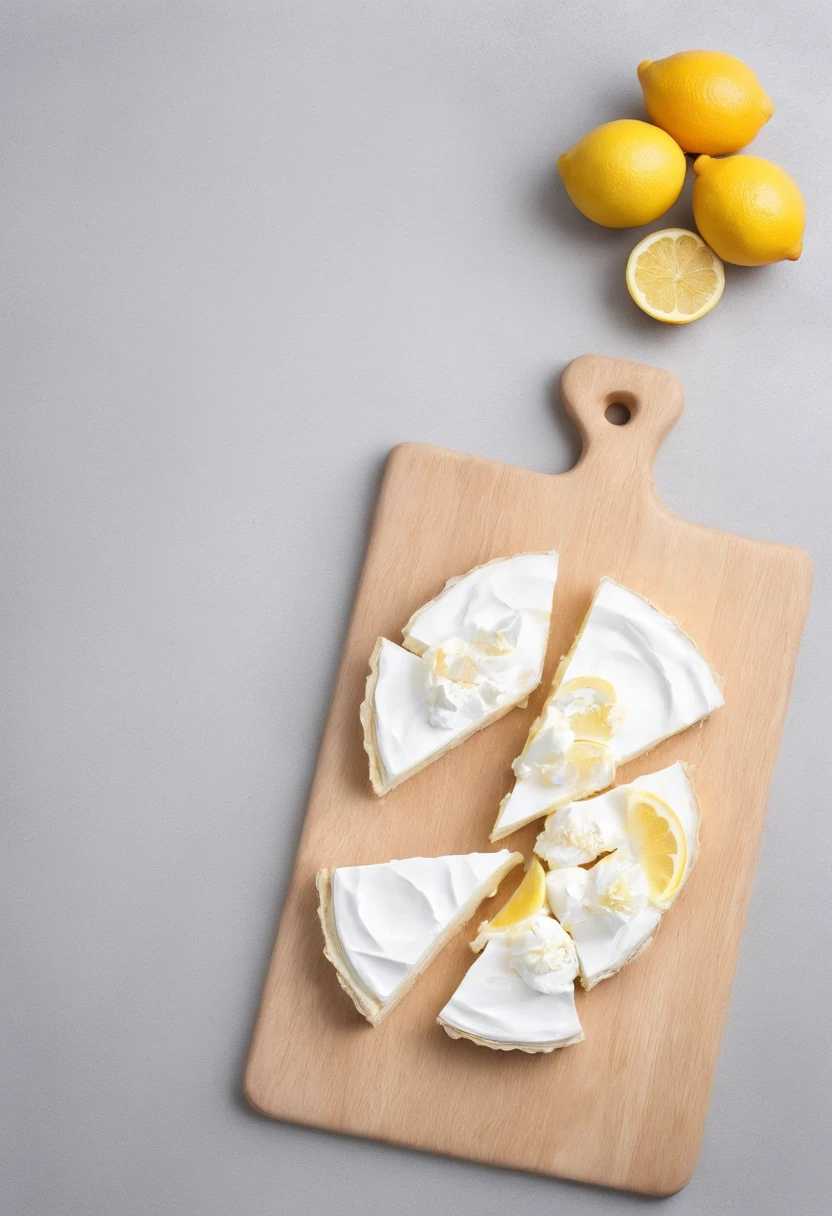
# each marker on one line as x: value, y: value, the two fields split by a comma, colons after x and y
x: 631, y: 679
x: 469, y: 656
x: 497, y: 1006
x: 646, y: 835
x: 384, y: 924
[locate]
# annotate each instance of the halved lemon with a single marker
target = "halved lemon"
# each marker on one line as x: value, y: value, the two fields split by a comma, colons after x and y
x: 674, y: 276
x: 658, y: 840
x: 528, y: 899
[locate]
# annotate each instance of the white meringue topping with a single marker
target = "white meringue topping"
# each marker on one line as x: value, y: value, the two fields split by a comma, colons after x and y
x: 476, y: 649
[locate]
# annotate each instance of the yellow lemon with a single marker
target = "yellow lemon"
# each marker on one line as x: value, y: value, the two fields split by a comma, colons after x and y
x: 748, y: 210
x: 528, y: 899
x: 673, y: 276
x: 708, y: 101
x: 624, y: 173
x: 659, y: 842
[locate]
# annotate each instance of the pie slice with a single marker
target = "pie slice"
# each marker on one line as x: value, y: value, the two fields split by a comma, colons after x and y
x: 646, y: 835
x: 469, y: 656
x: 519, y: 995
x: 384, y: 924
x: 631, y: 679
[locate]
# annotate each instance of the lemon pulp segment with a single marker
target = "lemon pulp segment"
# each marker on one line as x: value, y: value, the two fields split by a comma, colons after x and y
x: 528, y: 899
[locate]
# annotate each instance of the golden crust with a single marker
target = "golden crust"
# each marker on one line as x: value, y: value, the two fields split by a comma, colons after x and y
x: 367, y: 714
x: 687, y: 769
x: 530, y: 1048
x: 364, y: 1003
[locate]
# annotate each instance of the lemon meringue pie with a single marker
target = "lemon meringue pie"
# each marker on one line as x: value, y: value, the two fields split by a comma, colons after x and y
x: 469, y: 656
x: 384, y: 924
x: 631, y: 679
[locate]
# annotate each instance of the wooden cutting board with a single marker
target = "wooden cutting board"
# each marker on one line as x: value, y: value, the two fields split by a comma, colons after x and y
x: 626, y: 1107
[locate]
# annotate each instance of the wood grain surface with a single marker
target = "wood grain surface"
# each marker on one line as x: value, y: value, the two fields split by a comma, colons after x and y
x: 626, y: 1107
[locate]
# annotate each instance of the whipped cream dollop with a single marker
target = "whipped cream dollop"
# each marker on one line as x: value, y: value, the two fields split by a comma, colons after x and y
x: 606, y: 911
x: 388, y: 916
x: 618, y: 887
x: 467, y: 680
x: 579, y: 712
x: 476, y: 649
x: 544, y: 756
x: 614, y: 891
x: 660, y: 684
x: 543, y: 955
x: 578, y: 833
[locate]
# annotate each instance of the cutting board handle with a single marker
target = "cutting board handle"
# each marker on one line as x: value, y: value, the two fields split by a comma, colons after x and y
x: 623, y: 412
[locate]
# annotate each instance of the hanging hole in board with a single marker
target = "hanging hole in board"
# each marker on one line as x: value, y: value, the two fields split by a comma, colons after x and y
x: 618, y: 413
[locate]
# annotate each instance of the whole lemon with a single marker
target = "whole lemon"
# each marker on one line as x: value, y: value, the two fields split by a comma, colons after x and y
x: 748, y: 210
x: 624, y: 173
x: 708, y: 101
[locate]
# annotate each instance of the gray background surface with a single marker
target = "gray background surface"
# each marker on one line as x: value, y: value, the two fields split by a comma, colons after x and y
x: 248, y: 248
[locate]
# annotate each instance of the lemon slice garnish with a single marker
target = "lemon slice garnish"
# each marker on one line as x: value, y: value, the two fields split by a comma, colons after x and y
x: 606, y: 690
x: 674, y: 276
x: 658, y: 840
x: 528, y: 899
x: 593, y: 763
x: 593, y: 721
